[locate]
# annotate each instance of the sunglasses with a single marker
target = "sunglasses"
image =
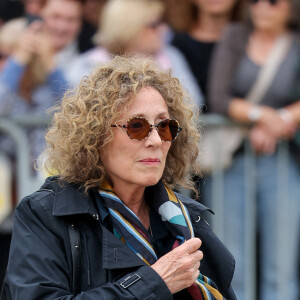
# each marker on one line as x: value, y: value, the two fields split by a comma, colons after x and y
x: 138, y: 129
x: 155, y: 24
x: 273, y: 2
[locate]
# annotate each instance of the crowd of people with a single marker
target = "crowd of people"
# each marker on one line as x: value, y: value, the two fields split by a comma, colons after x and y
x: 237, y: 58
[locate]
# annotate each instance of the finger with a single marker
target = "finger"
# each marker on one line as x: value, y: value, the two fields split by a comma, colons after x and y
x: 197, y: 265
x: 255, y: 144
x: 258, y: 148
x: 197, y: 255
x: 269, y: 147
x: 290, y: 130
x: 197, y: 273
x: 191, y: 245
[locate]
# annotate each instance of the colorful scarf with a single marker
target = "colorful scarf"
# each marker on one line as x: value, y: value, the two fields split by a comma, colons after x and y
x: 129, y: 229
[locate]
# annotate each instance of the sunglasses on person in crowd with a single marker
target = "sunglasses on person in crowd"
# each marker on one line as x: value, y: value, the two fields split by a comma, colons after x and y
x: 139, y: 128
x: 155, y: 24
x: 273, y: 2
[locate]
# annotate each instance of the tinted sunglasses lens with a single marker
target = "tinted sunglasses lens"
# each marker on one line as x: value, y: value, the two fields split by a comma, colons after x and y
x: 138, y: 128
x: 168, y: 130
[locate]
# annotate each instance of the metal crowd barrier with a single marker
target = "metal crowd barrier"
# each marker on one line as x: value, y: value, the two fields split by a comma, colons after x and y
x: 27, y: 182
x: 15, y: 127
x: 217, y: 203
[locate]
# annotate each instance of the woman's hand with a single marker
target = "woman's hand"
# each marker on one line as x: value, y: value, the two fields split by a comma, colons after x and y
x: 275, y: 125
x: 262, y: 141
x: 45, y: 50
x: 269, y: 118
x: 27, y: 44
x: 180, y: 267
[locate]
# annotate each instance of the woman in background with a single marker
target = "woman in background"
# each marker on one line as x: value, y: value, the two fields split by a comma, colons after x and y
x: 241, y: 54
x: 198, y: 26
x: 30, y: 81
x: 135, y: 27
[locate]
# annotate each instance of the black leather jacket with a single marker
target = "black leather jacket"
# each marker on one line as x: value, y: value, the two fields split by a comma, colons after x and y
x: 40, y: 264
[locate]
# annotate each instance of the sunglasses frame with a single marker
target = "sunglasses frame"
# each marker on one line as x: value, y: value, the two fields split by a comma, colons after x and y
x: 151, y: 127
x: 155, y: 24
x: 272, y: 2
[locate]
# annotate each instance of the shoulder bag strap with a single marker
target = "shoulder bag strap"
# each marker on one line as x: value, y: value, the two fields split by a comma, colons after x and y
x: 269, y: 69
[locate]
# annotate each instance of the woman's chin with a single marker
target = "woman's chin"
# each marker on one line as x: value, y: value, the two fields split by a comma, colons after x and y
x: 149, y: 181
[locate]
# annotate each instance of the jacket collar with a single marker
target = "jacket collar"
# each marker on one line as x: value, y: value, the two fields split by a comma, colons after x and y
x: 69, y: 199
x: 194, y: 206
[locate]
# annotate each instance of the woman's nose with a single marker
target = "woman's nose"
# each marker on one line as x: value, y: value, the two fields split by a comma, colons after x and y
x: 153, y: 138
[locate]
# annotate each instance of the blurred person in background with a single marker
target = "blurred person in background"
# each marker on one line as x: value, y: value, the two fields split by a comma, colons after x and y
x: 61, y: 17
x: 34, y: 75
x: 198, y: 26
x: 135, y: 27
x: 30, y: 82
x: 33, y: 7
x: 91, y: 14
x: 239, y: 57
x: 62, y: 22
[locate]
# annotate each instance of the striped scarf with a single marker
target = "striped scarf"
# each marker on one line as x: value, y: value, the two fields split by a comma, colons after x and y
x: 129, y: 229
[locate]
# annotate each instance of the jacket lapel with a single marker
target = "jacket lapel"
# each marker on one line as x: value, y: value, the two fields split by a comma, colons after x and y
x: 69, y: 200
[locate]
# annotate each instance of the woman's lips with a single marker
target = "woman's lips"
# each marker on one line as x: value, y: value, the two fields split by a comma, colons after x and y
x: 150, y: 161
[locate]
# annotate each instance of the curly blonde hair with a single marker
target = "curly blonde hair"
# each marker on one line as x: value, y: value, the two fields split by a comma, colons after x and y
x: 81, y: 128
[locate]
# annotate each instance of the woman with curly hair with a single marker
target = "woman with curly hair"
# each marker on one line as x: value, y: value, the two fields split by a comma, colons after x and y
x: 108, y: 225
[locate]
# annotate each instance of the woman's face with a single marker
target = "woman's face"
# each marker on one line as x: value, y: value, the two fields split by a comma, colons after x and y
x: 62, y: 19
x: 267, y: 16
x: 138, y: 163
x: 215, y: 7
x: 149, y: 40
